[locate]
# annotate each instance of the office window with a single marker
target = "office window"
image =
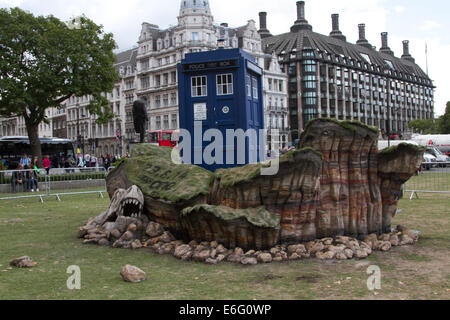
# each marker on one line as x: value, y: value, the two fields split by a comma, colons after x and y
x: 255, y: 88
x: 224, y: 84
x: 174, y: 121
x: 198, y: 86
x: 173, y: 99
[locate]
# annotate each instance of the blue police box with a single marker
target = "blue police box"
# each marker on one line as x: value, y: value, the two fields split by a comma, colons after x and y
x: 222, y: 90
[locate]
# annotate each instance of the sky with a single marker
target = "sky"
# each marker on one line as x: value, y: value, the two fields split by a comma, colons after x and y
x: 423, y: 23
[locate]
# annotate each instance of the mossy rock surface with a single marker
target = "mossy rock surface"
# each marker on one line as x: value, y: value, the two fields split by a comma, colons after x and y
x: 347, y: 124
x: 232, y: 176
x: 152, y: 170
x: 402, y: 147
x: 258, y: 217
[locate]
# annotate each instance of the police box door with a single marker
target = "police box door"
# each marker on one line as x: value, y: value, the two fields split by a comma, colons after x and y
x: 225, y: 105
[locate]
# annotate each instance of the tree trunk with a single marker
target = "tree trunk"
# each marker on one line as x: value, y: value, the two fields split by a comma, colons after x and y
x: 35, y: 143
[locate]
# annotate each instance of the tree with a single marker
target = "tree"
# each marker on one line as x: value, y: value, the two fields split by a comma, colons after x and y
x: 44, y: 61
x: 425, y: 126
x: 444, y: 121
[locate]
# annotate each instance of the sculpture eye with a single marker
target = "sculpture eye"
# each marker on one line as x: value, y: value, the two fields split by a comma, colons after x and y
x: 325, y: 133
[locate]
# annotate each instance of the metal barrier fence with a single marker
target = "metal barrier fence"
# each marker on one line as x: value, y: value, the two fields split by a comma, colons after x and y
x: 433, y: 178
x: 56, y: 182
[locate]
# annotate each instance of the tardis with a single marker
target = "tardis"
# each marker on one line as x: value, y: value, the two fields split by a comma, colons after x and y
x: 221, y: 106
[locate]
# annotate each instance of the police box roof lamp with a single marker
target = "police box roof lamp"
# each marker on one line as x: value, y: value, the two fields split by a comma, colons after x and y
x: 221, y: 43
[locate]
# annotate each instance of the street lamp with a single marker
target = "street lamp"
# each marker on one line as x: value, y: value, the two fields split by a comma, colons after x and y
x: 80, y: 139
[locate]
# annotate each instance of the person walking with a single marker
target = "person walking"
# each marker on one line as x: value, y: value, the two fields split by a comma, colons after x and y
x: 80, y: 161
x: 47, y: 164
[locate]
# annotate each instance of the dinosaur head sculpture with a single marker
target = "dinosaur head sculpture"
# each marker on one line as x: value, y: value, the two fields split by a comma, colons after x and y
x: 124, y: 202
x: 128, y: 203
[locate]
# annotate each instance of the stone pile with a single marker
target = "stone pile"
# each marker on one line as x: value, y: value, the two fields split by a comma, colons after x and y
x: 159, y: 240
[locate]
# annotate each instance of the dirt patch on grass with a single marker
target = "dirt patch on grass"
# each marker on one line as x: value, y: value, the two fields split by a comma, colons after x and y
x: 309, y: 278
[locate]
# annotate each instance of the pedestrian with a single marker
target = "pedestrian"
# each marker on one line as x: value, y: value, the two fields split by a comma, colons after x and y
x: 27, y: 178
x: 94, y: 161
x: 18, y: 178
x: 25, y: 160
x: 87, y: 160
x: 47, y: 164
x: 34, y: 182
x: 80, y: 161
x: 100, y: 162
x: 107, y: 162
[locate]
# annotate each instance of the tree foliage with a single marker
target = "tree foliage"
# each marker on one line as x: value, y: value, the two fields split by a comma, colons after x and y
x: 444, y: 121
x: 433, y: 126
x: 425, y: 126
x: 44, y: 61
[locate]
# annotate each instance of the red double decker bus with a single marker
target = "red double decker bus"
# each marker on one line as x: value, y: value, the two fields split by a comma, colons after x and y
x: 164, y: 138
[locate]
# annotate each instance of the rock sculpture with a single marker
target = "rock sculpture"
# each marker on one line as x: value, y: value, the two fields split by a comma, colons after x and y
x: 335, y: 183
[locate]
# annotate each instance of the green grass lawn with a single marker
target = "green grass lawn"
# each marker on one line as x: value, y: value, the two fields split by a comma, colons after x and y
x: 47, y: 233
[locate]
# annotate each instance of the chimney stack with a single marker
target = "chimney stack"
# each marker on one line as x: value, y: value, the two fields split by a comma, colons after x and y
x: 362, y: 37
x: 336, y: 33
x: 301, y: 23
x: 406, y: 48
x: 300, y: 10
x: 362, y: 31
x: 263, y: 20
x: 406, y: 55
x: 384, y: 40
x: 384, y: 44
x: 335, y: 22
x: 263, y: 31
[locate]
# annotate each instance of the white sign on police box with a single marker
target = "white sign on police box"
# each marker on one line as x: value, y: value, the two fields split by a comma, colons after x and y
x: 200, y: 112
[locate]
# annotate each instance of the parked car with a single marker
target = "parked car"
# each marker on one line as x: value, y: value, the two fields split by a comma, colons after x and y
x: 442, y: 159
x: 429, y: 161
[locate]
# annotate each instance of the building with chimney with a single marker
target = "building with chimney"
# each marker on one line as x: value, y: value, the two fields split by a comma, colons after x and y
x: 328, y: 77
x: 160, y: 50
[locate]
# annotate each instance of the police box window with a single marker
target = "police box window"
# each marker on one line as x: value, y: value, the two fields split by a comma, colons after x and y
x: 249, y: 87
x: 224, y: 84
x: 198, y: 86
x: 255, y: 88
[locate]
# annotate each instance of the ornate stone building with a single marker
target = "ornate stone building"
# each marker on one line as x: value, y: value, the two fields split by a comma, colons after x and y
x: 330, y: 77
x: 161, y: 50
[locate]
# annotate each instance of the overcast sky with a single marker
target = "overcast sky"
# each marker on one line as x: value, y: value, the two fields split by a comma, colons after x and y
x: 416, y: 20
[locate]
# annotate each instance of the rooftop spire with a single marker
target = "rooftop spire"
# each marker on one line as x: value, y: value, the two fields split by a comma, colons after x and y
x: 194, y: 4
